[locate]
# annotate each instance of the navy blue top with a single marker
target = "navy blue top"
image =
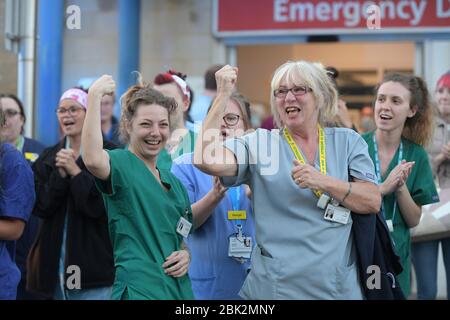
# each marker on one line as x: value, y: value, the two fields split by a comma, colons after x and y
x: 16, y: 201
x: 32, y: 146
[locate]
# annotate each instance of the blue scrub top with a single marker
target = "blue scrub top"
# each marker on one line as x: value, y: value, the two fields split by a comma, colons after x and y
x: 16, y: 201
x: 300, y: 255
x: 213, y: 274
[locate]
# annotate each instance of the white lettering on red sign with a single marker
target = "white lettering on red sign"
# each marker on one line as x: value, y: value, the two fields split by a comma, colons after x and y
x: 441, y: 11
x: 354, y: 12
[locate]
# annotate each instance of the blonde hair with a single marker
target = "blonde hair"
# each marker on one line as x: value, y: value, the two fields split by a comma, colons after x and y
x: 314, y: 76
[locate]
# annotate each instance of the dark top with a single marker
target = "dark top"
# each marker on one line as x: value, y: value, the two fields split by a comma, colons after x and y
x: 88, y: 244
x: 31, y: 151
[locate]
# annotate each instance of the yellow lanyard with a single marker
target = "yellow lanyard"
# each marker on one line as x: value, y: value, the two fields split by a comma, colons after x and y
x: 322, y: 153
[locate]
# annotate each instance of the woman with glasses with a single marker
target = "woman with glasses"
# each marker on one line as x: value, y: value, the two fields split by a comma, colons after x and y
x: 223, y: 217
x: 13, y: 133
x: 72, y: 257
x: 16, y: 202
x: 305, y: 180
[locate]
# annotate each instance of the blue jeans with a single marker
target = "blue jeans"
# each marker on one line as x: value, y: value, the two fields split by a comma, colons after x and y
x: 424, y: 258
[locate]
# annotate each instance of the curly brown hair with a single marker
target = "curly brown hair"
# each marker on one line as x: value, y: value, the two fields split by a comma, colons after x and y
x: 137, y: 95
x: 418, y: 128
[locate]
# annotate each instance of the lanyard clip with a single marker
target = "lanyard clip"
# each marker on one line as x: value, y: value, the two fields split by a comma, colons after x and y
x: 239, y: 234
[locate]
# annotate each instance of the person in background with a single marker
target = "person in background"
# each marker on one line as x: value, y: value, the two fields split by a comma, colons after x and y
x: 258, y: 111
x: 74, y: 223
x: 148, y: 208
x: 403, y: 117
x: 303, y: 193
x: 110, y: 125
x: 343, y: 118
x: 425, y: 253
x: 201, y: 105
x: 367, y: 123
x: 13, y: 132
x: 172, y: 84
x: 16, y: 202
x: 14, y: 129
x: 216, y: 272
x: 269, y: 123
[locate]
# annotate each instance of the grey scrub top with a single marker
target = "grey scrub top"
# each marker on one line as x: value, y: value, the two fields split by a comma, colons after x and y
x: 304, y: 256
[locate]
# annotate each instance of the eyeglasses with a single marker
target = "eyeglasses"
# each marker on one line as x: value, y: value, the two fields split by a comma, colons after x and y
x: 231, y: 119
x: 10, y: 113
x: 72, y: 111
x: 297, y: 91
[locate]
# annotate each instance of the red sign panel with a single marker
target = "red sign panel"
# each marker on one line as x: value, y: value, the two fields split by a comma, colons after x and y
x: 269, y: 17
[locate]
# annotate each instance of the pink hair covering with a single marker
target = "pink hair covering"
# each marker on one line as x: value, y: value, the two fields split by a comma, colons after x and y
x: 182, y: 85
x: 444, y: 81
x: 77, y: 95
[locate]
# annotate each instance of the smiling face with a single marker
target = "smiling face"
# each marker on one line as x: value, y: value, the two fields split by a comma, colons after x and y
x: 149, y: 130
x: 10, y: 132
x: 296, y: 110
x: 71, y: 117
x: 392, y: 107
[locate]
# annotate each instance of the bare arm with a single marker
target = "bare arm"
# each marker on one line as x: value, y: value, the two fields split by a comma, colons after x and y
x: 210, y: 156
x: 95, y: 158
x: 410, y: 211
x: 363, y: 197
x: 11, y: 229
x: 202, y: 209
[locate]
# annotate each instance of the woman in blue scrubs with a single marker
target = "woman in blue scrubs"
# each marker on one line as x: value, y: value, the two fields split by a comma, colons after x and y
x: 224, y: 236
x: 16, y: 202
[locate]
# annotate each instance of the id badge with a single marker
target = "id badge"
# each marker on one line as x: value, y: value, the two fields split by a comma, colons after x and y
x: 184, y: 227
x: 390, y: 225
x: 337, y: 214
x: 240, y: 247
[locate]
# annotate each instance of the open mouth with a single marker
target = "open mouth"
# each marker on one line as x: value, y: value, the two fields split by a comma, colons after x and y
x: 224, y: 133
x: 292, y: 110
x: 385, y: 117
x: 68, y: 123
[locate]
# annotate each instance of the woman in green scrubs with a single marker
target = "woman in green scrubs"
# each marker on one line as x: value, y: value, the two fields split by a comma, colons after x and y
x: 148, y: 208
x: 403, y: 117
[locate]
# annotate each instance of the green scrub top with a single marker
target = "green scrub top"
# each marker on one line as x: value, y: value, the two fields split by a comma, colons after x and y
x: 421, y: 186
x: 186, y: 145
x: 142, y: 219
